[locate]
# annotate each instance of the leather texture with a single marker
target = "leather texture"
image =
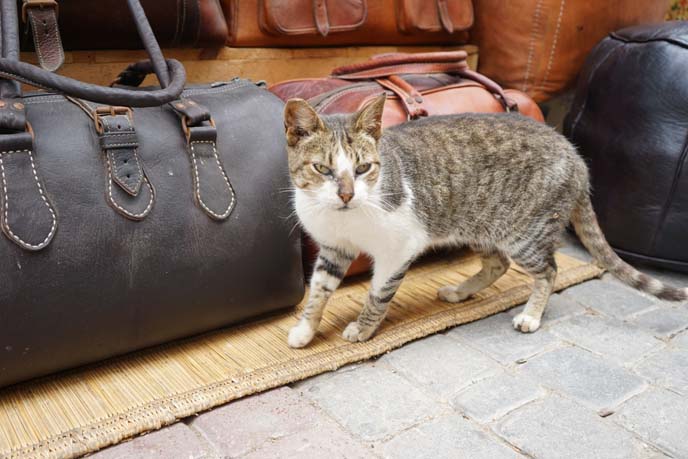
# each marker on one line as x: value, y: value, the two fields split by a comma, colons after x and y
x: 539, y: 46
x: 294, y: 23
x: 423, y: 84
x: 176, y: 23
x: 629, y: 119
x: 42, y: 17
x: 126, y: 228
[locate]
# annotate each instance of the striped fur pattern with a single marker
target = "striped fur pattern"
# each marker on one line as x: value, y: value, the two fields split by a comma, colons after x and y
x: 502, y: 184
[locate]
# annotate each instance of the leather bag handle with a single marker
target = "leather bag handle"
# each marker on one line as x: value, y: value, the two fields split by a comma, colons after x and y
x: 385, y: 66
x: 170, y: 72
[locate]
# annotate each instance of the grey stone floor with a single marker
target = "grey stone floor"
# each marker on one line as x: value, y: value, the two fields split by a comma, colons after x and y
x: 605, y: 377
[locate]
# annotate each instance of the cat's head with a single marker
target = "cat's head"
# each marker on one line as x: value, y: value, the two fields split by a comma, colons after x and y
x: 334, y: 158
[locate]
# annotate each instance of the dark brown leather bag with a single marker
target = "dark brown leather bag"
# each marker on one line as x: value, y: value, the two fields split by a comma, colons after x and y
x: 107, y: 24
x: 291, y: 23
x: 418, y: 85
x: 538, y: 46
x: 629, y: 119
x: 128, y: 227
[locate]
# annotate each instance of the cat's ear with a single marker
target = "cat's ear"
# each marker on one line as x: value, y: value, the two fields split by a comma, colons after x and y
x: 300, y: 120
x: 369, y: 117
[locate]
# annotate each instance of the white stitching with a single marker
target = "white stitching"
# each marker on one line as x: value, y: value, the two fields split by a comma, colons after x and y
x: 554, y: 44
x: 531, y: 45
x: 111, y: 159
x: 6, y: 203
x: 226, y: 213
x: 122, y: 209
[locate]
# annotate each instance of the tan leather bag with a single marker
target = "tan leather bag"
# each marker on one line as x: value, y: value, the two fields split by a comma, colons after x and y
x: 294, y: 23
x: 538, y: 46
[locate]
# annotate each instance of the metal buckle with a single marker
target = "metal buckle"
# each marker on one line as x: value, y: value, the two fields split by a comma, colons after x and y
x: 111, y: 111
x: 40, y: 4
x: 187, y: 131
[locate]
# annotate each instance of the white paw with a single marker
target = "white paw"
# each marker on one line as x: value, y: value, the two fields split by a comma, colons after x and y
x: 354, y: 333
x: 526, y: 323
x: 451, y: 294
x: 300, y: 335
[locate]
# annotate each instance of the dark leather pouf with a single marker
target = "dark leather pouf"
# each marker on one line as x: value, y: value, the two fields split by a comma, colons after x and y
x: 629, y: 119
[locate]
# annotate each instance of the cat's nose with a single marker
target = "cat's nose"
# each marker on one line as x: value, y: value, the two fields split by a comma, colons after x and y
x: 345, y: 196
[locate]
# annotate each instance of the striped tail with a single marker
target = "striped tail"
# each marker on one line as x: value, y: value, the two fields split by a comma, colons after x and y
x: 585, y: 223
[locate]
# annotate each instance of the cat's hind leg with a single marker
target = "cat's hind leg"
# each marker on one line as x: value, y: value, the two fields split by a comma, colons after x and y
x: 544, y: 270
x: 494, y: 265
x: 328, y: 272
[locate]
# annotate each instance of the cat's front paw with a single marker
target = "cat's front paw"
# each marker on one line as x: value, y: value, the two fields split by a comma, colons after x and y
x: 355, y: 333
x: 300, y: 335
x: 525, y: 323
x: 451, y: 294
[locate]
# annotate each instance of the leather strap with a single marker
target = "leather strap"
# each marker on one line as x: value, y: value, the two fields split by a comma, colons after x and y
x: 445, y: 17
x: 213, y: 192
x: 42, y: 15
x: 410, y: 98
x: 322, y: 20
x: 395, y: 60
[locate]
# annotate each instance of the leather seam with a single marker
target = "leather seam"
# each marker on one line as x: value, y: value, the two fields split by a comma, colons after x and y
x: 670, y: 197
x: 6, y: 203
x: 531, y: 45
x: 122, y: 209
x: 557, y: 30
x: 226, y: 213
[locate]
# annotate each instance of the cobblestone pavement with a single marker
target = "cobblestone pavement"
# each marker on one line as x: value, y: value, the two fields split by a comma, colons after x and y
x: 605, y: 377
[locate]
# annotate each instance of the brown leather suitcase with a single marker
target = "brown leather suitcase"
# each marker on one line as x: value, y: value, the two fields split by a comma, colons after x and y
x: 294, y: 23
x: 538, y: 46
x: 418, y: 85
x: 107, y: 24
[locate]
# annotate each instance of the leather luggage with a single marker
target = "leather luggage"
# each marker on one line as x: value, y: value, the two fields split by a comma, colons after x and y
x: 418, y: 85
x: 629, y: 119
x: 107, y: 24
x: 538, y: 46
x: 293, y: 23
x: 128, y: 227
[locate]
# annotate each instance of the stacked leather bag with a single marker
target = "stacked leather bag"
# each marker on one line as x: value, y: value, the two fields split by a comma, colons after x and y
x: 350, y: 22
x: 418, y: 85
x: 135, y: 216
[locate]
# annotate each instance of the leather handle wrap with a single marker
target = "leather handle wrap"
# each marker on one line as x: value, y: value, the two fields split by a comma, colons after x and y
x: 414, y: 63
x: 170, y: 73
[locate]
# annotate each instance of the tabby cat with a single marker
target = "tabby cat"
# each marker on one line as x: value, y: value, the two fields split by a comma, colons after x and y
x: 503, y: 184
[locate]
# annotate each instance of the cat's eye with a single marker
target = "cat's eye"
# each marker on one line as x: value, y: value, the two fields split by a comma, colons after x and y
x: 324, y: 170
x: 363, y: 168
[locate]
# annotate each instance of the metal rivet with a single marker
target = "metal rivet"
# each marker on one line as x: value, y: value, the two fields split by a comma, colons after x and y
x: 18, y: 106
x: 180, y: 106
x: 419, y: 99
x: 2, y: 104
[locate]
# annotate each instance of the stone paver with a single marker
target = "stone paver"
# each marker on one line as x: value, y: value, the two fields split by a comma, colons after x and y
x: 610, y: 298
x: 659, y: 417
x: 243, y: 425
x: 667, y: 369
x: 596, y: 382
x: 441, y: 364
x: 558, y: 307
x: 664, y: 322
x: 372, y: 402
x: 620, y: 341
x: 496, y: 337
x: 326, y: 442
x: 606, y: 376
x: 449, y: 437
x: 560, y: 429
x: 492, y: 398
x: 176, y: 441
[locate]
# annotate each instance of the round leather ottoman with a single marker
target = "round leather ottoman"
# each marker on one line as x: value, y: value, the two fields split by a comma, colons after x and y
x: 629, y: 120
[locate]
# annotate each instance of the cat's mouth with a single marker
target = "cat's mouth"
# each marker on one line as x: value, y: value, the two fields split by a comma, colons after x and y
x: 344, y: 208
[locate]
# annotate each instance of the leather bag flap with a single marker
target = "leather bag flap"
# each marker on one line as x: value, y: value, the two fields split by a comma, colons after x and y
x: 311, y: 17
x: 417, y: 16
